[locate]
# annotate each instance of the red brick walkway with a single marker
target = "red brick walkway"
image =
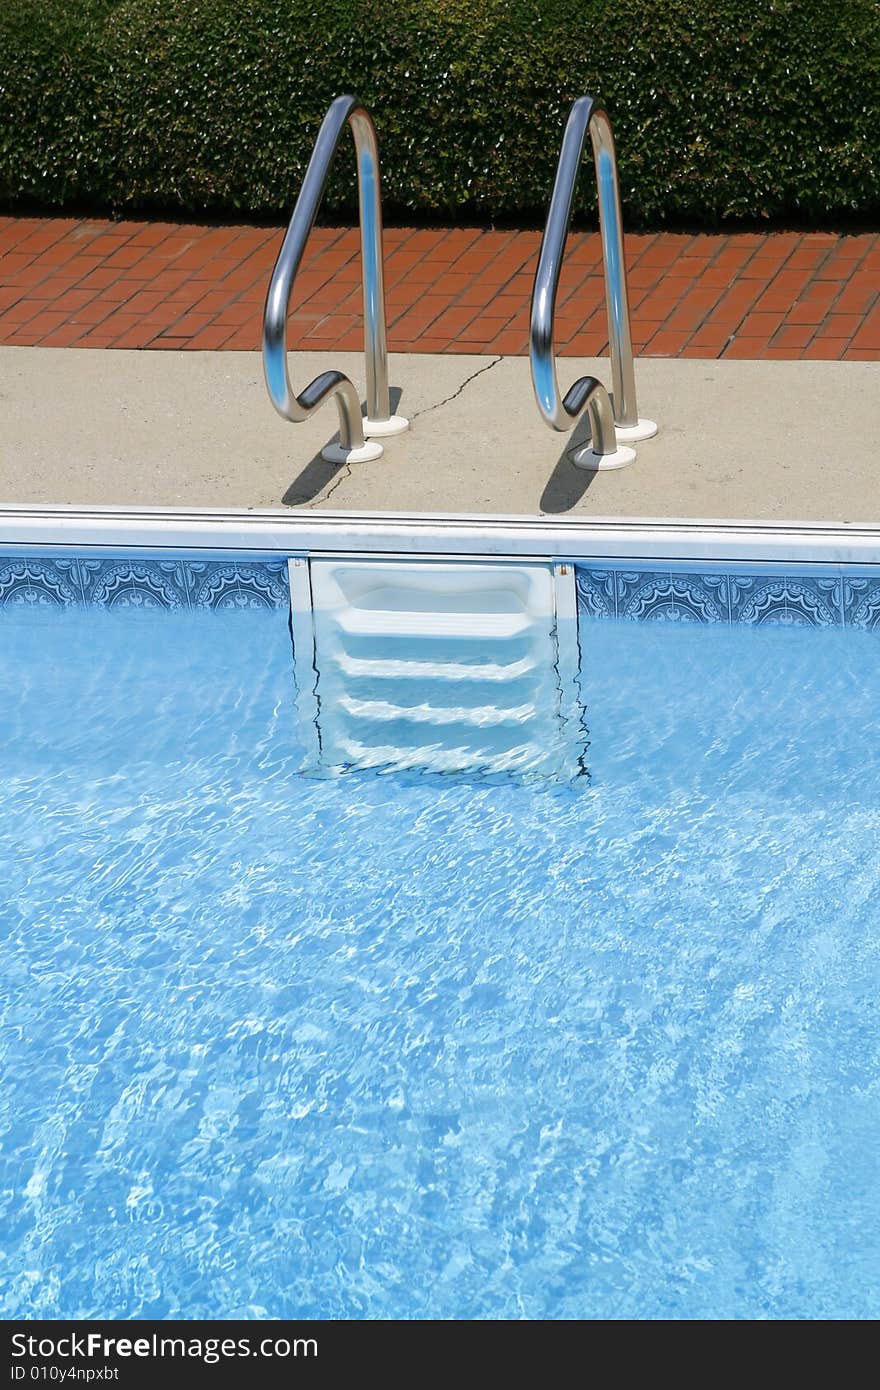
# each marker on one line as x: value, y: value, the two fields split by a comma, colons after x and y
x: 84, y: 283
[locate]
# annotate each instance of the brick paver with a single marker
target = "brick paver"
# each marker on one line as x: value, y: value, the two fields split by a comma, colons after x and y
x: 68, y: 282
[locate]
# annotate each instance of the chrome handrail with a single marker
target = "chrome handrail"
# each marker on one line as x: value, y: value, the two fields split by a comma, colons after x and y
x: 345, y: 110
x: 560, y: 413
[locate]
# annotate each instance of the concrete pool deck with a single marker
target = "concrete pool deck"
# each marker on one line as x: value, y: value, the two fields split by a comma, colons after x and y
x: 747, y: 440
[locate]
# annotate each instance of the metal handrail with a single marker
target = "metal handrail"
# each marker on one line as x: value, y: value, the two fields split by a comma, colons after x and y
x: 345, y: 110
x: 558, y: 412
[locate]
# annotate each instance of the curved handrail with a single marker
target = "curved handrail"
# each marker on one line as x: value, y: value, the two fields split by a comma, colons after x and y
x: 585, y: 117
x: 589, y: 394
x: 345, y: 110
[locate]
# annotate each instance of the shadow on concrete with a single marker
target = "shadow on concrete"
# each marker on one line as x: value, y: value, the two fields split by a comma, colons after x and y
x: 567, y: 484
x: 319, y: 475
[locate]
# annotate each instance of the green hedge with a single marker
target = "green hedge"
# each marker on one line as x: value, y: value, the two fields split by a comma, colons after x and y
x: 723, y: 109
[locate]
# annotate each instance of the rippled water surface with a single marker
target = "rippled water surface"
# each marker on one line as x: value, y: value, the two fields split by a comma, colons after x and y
x: 427, y: 1047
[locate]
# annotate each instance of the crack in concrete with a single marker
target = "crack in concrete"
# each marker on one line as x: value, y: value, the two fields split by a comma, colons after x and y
x: 344, y: 473
x: 467, y: 381
x: 345, y: 469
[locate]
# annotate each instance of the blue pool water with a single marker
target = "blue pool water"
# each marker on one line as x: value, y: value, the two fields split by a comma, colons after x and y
x: 411, y: 1047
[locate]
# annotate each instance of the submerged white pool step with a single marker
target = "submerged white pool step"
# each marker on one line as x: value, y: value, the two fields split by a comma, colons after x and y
x: 482, y: 716
x: 391, y: 658
x: 431, y: 758
x: 497, y: 627
x: 398, y: 669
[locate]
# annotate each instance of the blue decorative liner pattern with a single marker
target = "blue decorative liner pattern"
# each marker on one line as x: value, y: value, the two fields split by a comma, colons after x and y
x: 127, y: 581
x: 837, y: 598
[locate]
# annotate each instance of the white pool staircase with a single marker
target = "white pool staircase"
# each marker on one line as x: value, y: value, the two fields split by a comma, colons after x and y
x: 436, y: 666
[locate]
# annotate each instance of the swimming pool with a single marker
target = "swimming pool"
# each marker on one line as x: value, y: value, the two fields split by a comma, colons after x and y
x: 409, y: 1045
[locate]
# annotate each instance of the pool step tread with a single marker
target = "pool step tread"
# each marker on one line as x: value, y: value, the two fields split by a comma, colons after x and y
x: 383, y: 711
x: 498, y: 626
x: 396, y: 668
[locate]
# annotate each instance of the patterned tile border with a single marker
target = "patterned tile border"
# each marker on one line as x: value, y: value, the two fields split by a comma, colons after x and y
x: 128, y: 581
x: 838, y: 597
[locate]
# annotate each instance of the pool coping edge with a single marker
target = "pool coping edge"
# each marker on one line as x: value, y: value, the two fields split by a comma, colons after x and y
x: 390, y: 533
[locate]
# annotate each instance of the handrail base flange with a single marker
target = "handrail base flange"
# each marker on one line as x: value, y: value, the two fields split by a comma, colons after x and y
x: 362, y: 453
x: 378, y: 429
x: 643, y: 429
x: 599, y: 463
